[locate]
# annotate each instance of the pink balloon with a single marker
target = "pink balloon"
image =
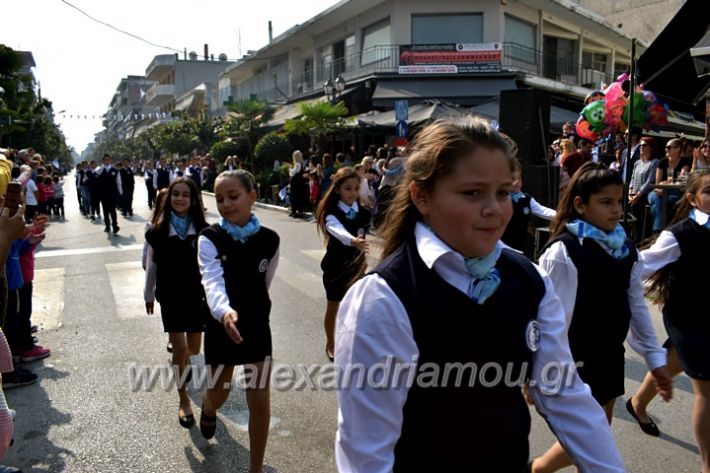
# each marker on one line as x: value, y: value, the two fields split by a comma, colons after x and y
x: 614, y: 111
x: 613, y: 92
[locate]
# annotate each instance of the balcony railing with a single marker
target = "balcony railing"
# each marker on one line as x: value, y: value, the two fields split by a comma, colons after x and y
x: 385, y: 60
x: 551, y: 66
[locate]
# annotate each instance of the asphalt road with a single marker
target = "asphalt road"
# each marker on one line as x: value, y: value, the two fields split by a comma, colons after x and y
x: 86, y: 415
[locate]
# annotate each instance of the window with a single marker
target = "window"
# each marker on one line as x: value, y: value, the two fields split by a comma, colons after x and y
x: 350, y: 53
x: 520, y: 32
x: 442, y: 29
x: 325, y: 58
x: 521, y: 40
x: 378, y: 34
x: 595, y: 61
x: 308, y: 73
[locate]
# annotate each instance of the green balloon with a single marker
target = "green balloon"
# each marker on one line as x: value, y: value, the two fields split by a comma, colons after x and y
x: 638, y: 114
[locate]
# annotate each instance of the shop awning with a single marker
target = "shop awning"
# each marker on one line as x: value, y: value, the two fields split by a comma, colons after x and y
x: 666, y: 67
x: 419, y: 114
x: 451, y: 89
x: 558, y: 116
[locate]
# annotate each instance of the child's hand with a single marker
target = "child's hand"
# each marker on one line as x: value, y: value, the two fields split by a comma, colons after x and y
x: 361, y: 244
x: 229, y: 320
x: 149, y: 308
x: 12, y: 228
x: 664, y: 383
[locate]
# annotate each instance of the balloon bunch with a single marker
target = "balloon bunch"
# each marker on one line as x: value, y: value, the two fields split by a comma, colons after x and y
x: 609, y: 115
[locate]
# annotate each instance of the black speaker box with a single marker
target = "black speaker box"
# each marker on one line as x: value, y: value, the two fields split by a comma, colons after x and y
x: 524, y: 115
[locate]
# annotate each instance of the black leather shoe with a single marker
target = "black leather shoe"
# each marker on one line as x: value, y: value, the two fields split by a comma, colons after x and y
x: 169, y: 347
x: 208, y: 424
x: 116, y: 229
x: 107, y: 229
x: 186, y: 421
x: 648, y: 428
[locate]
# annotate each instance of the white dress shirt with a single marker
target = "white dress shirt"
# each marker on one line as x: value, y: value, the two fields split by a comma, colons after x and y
x: 373, y: 325
x: 665, y: 250
x: 336, y: 228
x: 540, y: 210
x: 642, y: 336
x: 151, y: 268
x: 213, y: 277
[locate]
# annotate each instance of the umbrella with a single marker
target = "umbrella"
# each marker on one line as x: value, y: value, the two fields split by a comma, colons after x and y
x: 419, y: 114
x: 701, y: 55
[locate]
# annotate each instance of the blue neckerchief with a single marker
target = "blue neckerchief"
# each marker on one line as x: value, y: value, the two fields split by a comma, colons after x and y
x: 351, y: 214
x: 486, y: 276
x: 698, y: 216
x: 516, y: 196
x: 393, y: 171
x: 614, y: 242
x: 180, y: 224
x: 241, y: 233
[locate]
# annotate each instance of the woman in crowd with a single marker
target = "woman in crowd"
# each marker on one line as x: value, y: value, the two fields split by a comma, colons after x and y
x: 642, y: 179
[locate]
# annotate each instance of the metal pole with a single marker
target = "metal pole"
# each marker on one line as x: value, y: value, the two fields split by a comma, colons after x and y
x: 629, y: 124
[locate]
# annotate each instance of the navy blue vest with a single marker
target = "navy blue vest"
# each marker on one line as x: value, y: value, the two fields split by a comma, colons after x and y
x: 466, y: 428
x: 516, y: 233
x: 338, y: 255
x: 602, y: 313
x: 163, y: 178
x: 684, y: 284
x: 107, y: 186
x: 244, y: 266
x: 127, y: 180
x: 178, y: 274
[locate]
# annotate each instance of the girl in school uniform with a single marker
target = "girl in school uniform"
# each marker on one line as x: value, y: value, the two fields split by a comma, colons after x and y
x: 448, y: 294
x: 524, y: 207
x: 238, y: 259
x: 596, y: 272
x: 173, y: 278
x: 343, y: 223
x: 672, y: 264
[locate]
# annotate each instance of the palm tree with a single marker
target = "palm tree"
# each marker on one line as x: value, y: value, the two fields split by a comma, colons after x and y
x: 251, y: 115
x: 317, y: 118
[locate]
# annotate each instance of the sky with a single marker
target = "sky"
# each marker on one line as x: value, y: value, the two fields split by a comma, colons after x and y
x: 80, y: 62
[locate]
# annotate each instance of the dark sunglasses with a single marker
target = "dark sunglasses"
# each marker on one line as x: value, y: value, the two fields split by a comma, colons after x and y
x: 705, y: 146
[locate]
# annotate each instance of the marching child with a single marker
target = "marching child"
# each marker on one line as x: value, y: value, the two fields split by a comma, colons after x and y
x: 238, y: 259
x: 173, y: 278
x: 448, y: 293
x: 596, y: 272
x: 344, y: 224
x: 524, y: 205
x: 672, y: 262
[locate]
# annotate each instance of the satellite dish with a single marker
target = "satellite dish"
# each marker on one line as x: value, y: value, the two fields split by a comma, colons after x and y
x: 222, y: 57
x: 193, y: 56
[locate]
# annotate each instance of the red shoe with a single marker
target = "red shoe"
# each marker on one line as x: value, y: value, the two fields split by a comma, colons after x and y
x: 36, y: 353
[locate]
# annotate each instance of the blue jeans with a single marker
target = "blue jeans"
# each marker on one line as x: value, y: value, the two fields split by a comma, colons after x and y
x: 656, y: 203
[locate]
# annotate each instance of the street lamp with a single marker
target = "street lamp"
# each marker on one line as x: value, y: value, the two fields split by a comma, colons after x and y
x: 333, y: 89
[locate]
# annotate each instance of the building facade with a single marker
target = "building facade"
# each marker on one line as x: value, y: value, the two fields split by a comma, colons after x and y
x: 461, y: 51
x: 128, y: 106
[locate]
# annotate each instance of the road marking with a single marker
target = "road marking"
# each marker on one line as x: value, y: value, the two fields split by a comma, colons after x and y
x: 315, y: 254
x: 300, y: 278
x: 48, y: 298
x: 88, y: 251
x: 127, y: 281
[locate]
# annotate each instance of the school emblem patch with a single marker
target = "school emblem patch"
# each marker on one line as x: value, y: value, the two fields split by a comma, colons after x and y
x: 263, y: 266
x: 526, y: 210
x: 533, y: 335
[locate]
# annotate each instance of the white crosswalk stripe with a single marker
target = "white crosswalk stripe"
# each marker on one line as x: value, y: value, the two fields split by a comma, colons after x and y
x: 47, y: 298
x: 127, y: 280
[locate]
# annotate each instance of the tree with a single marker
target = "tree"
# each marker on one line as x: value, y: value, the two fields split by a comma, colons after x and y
x: 318, y: 119
x: 27, y: 120
x: 251, y: 115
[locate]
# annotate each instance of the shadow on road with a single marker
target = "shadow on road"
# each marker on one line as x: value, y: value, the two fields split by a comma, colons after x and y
x: 33, y: 451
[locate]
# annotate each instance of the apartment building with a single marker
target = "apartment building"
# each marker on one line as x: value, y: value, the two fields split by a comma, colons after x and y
x: 128, y: 106
x: 461, y: 51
